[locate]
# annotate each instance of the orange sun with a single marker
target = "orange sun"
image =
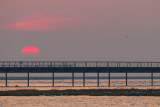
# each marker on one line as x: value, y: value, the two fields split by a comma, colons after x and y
x: 30, y: 50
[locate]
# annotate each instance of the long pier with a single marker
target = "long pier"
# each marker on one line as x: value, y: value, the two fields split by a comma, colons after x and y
x: 79, y: 67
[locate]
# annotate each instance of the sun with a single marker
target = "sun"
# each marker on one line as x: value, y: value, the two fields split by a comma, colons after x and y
x: 30, y: 50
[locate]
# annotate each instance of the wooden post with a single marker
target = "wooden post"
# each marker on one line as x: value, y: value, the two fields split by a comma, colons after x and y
x: 126, y: 79
x: 151, y: 78
x: 28, y: 79
x: 72, y: 79
x: 109, y: 79
x: 98, y: 79
x: 6, y: 79
x: 83, y: 79
x: 53, y: 78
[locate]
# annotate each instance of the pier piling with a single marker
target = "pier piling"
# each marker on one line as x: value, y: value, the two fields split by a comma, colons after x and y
x: 6, y: 79
x: 28, y: 79
x: 126, y: 79
x: 151, y: 78
x: 84, y: 79
x: 98, y: 79
x: 72, y: 79
x: 53, y: 78
x: 109, y: 79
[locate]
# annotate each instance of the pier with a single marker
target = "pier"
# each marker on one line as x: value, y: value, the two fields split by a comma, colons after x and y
x: 79, y: 67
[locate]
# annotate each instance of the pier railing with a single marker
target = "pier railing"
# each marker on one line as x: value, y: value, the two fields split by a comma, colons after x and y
x: 77, y: 64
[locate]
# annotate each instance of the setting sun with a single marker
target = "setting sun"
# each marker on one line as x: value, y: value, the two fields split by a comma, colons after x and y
x: 30, y: 50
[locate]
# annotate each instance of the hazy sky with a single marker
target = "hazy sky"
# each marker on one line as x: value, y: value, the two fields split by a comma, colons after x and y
x: 108, y: 30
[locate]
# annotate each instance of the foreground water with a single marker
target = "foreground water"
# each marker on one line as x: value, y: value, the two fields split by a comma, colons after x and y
x: 79, y: 82
x: 79, y: 101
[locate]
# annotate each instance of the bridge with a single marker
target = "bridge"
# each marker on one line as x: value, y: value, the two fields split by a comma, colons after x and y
x: 79, y: 67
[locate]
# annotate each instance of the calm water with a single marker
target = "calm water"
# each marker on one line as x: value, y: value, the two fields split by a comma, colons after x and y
x: 60, y: 76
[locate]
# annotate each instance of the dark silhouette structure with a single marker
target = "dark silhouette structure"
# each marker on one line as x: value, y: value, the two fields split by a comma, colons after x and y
x: 79, y: 67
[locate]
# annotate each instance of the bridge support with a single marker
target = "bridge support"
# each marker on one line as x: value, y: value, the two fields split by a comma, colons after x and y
x: 83, y: 79
x: 6, y: 79
x: 151, y: 78
x: 109, y: 79
x: 126, y: 79
x: 53, y: 79
x: 28, y: 79
x: 98, y: 79
x: 72, y: 79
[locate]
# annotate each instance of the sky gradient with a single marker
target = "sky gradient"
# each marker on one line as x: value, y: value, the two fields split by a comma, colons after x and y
x: 107, y: 30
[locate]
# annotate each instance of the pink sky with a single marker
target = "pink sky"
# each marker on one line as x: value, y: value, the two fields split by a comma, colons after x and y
x: 52, y: 14
x: 39, y: 21
x: 81, y: 29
